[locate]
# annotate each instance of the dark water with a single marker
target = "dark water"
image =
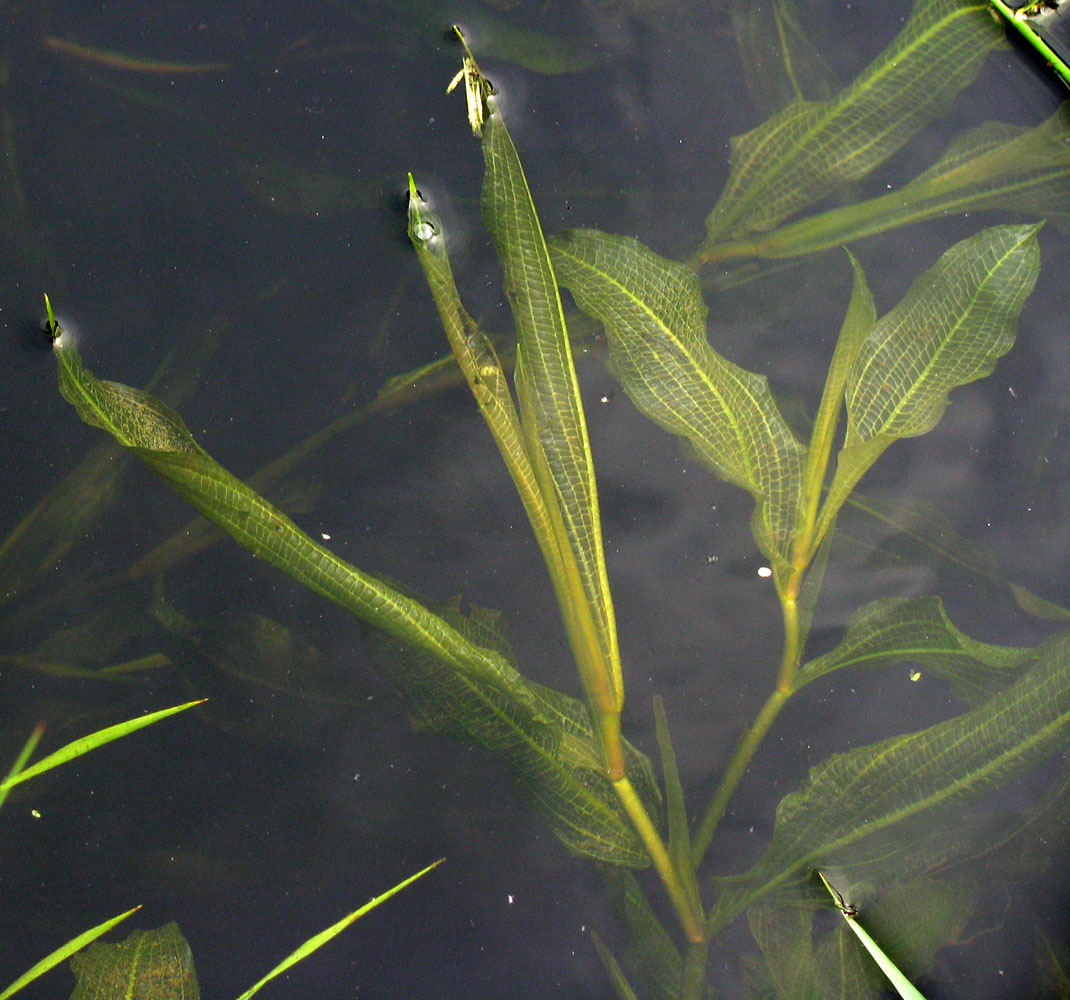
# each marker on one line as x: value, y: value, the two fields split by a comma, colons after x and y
x: 252, y: 218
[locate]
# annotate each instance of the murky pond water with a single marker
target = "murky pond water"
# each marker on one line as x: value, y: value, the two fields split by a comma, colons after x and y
x: 215, y: 201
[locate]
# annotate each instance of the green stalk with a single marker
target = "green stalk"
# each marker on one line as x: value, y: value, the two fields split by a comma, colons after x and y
x: 690, y: 919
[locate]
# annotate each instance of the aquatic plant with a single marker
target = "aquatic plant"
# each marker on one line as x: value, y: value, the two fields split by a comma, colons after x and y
x: 870, y: 825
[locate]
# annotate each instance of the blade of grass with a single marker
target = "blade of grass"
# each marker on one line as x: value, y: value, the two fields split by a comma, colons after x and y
x: 64, y: 952
x: 902, y: 985
x: 320, y: 939
x: 86, y: 743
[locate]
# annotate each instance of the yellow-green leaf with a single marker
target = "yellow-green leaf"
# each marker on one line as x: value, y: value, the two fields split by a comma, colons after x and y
x: 954, y: 323
x: 993, y: 166
x: 655, y: 321
x: 552, y: 413
x: 805, y: 152
x: 157, y: 435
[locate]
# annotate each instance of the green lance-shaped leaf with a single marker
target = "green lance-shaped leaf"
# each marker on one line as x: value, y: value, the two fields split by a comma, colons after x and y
x: 809, y: 149
x: 655, y: 321
x: 951, y: 327
x: 157, y: 435
x: 484, y: 374
x: 148, y: 965
x: 993, y: 166
x: 917, y: 630
x: 552, y: 412
x: 552, y: 752
x: 867, y: 791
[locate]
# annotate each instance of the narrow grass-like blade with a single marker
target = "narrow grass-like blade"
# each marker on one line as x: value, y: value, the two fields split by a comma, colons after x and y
x: 86, y: 743
x: 319, y: 940
x: 64, y: 952
x: 903, y: 986
x: 655, y: 321
x: 805, y: 152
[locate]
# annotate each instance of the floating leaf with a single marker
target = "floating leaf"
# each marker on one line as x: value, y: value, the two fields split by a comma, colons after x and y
x: 317, y: 941
x: 805, y: 152
x: 655, y: 321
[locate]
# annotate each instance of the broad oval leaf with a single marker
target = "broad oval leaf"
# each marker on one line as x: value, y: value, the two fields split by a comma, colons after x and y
x: 148, y: 965
x: 655, y: 320
x: 809, y: 149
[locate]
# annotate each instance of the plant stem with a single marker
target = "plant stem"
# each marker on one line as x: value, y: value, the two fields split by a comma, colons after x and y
x: 691, y: 920
x: 752, y: 738
x: 737, y: 766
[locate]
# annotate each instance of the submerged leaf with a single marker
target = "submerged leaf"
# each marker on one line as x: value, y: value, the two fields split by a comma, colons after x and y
x: 870, y: 790
x: 954, y: 323
x: 157, y: 435
x: 554, y: 754
x: 917, y: 630
x: 655, y: 321
x: 952, y: 326
x: 780, y: 62
x: 554, y: 426
x: 148, y: 965
x: 805, y: 152
x: 993, y: 166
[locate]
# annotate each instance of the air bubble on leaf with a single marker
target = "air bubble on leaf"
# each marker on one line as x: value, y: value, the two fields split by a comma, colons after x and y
x: 425, y: 232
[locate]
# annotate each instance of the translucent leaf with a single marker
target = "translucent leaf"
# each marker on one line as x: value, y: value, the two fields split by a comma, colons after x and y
x: 917, y: 630
x: 649, y: 951
x: 157, y: 435
x: 552, y: 414
x: 953, y: 324
x: 809, y: 149
x: 557, y: 762
x: 780, y: 62
x: 148, y: 965
x: 993, y: 166
x: 870, y: 790
x: 655, y: 321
